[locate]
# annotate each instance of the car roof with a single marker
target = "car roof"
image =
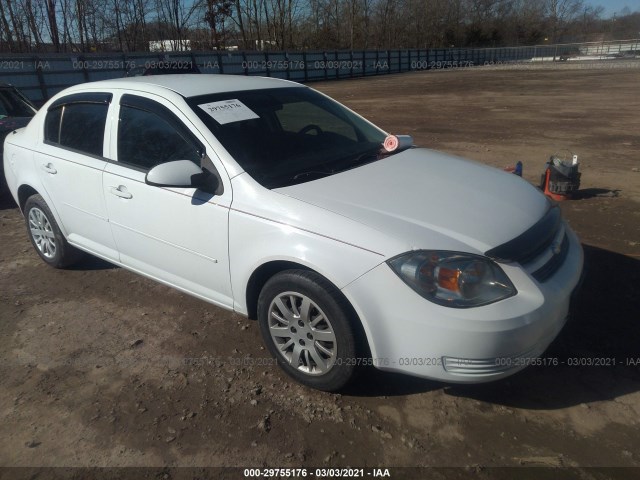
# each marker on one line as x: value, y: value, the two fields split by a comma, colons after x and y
x: 189, y: 85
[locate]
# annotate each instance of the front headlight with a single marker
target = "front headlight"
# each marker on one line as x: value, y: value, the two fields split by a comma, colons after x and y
x: 453, y: 279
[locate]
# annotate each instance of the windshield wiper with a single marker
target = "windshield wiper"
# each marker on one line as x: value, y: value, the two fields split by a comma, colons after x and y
x: 358, y: 161
x: 312, y: 172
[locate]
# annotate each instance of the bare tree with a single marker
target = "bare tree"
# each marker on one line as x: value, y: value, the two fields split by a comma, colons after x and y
x: 94, y: 23
x: 588, y: 20
x: 34, y: 20
x: 239, y: 20
x: 129, y: 25
x: 53, y: 24
x: 127, y: 22
x: 560, y: 13
x: 218, y: 12
x: 279, y: 18
x: 179, y: 15
x: 68, y: 21
x: 17, y: 27
x: 7, y: 32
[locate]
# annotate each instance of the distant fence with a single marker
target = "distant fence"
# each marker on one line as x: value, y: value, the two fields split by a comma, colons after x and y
x: 40, y: 77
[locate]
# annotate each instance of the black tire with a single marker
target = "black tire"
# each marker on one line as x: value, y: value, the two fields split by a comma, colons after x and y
x: 53, y: 249
x: 334, y: 317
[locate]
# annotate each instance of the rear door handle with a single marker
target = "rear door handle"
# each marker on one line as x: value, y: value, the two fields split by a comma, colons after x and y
x: 48, y: 167
x: 120, y: 191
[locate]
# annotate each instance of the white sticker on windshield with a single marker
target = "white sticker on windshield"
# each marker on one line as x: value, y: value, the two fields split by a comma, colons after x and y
x: 228, y: 111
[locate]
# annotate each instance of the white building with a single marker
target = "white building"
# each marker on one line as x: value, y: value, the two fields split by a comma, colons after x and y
x: 169, y: 45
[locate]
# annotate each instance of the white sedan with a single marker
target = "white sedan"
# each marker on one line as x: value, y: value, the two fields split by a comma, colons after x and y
x: 350, y: 247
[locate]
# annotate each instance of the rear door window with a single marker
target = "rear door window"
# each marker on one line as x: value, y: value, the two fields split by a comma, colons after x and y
x: 78, y: 125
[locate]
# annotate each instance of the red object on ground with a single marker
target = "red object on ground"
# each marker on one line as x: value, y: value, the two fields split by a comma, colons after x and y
x: 555, y: 196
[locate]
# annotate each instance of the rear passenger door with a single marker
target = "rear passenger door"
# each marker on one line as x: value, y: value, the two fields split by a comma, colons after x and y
x: 176, y: 235
x: 70, y: 162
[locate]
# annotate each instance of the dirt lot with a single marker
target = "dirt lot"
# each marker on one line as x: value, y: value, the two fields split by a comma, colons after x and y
x: 100, y: 367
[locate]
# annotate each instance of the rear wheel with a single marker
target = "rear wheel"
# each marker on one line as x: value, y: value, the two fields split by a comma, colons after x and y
x: 307, y: 326
x: 45, y: 235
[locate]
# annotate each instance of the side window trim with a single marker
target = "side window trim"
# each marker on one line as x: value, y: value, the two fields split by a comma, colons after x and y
x: 87, y: 97
x: 59, y: 135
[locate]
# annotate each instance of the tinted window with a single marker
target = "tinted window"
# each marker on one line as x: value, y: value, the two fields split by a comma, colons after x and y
x: 79, y: 126
x: 306, y: 117
x: 52, y: 125
x: 146, y: 139
x: 284, y: 136
x: 13, y: 105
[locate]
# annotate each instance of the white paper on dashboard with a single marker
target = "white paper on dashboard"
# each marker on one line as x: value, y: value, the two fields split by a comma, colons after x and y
x: 228, y: 111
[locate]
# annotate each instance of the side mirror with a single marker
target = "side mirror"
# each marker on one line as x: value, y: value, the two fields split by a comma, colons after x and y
x: 182, y: 174
x: 173, y: 174
x: 404, y: 142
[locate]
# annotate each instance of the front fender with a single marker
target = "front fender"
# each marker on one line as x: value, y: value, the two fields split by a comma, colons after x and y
x: 255, y: 241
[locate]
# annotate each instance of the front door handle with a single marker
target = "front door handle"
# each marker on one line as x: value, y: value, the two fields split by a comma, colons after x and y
x: 120, y: 191
x: 48, y: 167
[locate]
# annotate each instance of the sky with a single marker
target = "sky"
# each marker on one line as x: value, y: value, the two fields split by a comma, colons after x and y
x: 614, y: 6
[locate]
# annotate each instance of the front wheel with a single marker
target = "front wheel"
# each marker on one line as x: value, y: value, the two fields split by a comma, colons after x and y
x: 45, y: 235
x: 307, y: 326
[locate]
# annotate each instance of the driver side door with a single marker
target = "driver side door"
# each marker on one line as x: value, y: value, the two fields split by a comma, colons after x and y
x: 178, y: 236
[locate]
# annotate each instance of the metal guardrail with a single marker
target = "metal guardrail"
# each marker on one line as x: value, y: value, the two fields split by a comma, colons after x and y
x: 40, y: 77
x: 610, y: 48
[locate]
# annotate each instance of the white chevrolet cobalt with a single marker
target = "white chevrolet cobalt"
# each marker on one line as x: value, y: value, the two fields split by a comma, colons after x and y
x: 350, y: 246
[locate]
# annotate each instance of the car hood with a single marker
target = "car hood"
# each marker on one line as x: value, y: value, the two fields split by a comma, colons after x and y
x: 427, y: 199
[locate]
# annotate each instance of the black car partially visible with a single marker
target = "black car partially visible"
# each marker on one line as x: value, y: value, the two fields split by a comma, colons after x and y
x: 15, y: 112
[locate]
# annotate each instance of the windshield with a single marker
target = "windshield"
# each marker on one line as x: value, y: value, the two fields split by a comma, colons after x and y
x: 13, y: 105
x: 285, y: 136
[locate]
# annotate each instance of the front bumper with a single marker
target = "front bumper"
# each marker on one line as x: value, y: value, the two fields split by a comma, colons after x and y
x: 409, y: 334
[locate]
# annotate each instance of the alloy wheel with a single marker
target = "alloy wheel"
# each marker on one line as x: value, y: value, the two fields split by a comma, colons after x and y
x: 302, y: 333
x: 42, y: 232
